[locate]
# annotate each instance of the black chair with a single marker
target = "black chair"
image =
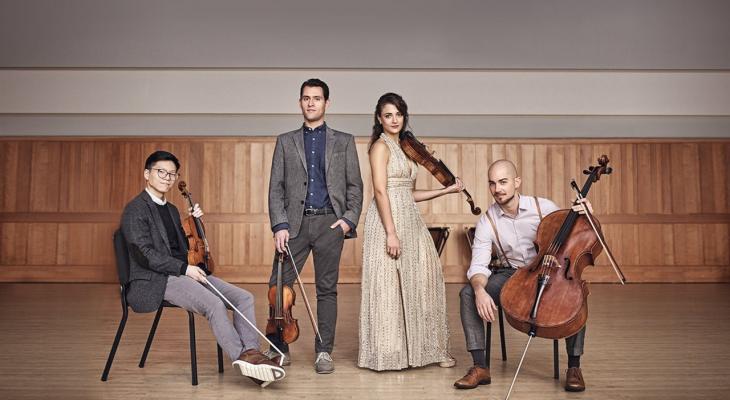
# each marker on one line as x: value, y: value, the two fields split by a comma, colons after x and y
x: 488, y: 340
x: 122, y: 258
x: 439, y: 234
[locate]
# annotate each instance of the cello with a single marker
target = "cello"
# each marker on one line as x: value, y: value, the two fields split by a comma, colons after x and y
x: 419, y: 153
x: 548, y: 298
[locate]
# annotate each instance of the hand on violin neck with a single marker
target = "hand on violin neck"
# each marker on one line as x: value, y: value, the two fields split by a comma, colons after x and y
x: 457, y: 187
x: 281, y: 238
x: 196, y: 273
x: 579, y: 206
x: 196, y: 212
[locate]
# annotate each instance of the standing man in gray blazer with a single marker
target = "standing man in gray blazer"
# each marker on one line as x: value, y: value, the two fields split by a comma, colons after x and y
x: 315, y: 200
x: 159, y: 270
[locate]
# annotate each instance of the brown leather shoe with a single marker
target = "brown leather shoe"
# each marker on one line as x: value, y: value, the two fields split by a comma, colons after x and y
x: 574, y: 380
x: 256, y: 366
x: 253, y: 356
x: 475, y: 377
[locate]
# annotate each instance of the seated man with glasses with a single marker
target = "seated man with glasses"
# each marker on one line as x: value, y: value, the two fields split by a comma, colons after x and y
x: 159, y: 271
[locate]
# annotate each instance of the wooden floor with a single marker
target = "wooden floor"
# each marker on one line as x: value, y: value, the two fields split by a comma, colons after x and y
x: 644, y: 341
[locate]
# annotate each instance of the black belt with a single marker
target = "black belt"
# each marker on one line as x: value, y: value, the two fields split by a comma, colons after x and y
x: 318, y: 211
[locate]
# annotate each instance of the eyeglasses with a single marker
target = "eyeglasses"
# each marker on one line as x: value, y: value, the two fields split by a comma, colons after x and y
x: 163, y: 174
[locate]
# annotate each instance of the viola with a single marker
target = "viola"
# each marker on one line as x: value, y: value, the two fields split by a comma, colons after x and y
x: 419, y: 153
x: 281, y: 300
x: 198, y: 248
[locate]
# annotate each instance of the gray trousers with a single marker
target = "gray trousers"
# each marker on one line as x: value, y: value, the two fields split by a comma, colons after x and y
x: 474, y: 325
x: 233, y: 337
x: 316, y: 236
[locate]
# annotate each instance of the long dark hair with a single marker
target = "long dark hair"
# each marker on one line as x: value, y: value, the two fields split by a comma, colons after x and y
x: 399, y: 103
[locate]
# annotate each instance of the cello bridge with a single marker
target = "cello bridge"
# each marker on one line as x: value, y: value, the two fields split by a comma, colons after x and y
x: 550, y: 261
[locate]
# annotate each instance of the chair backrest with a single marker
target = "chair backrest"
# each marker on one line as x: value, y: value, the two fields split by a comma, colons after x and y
x: 122, y: 256
x: 439, y: 234
x: 470, y: 232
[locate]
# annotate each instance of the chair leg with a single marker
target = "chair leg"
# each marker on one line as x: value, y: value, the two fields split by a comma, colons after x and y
x: 501, y: 334
x: 220, y: 359
x: 150, y: 337
x: 556, y: 360
x: 193, y: 355
x: 488, y: 343
x: 113, y: 351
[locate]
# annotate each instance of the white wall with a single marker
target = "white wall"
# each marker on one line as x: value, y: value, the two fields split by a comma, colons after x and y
x: 467, y: 68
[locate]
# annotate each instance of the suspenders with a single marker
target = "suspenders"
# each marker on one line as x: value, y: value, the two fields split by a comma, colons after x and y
x: 496, y: 234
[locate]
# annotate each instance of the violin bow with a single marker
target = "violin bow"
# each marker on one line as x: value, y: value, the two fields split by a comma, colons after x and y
x: 599, y: 235
x: 281, y: 360
x: 304, y: 294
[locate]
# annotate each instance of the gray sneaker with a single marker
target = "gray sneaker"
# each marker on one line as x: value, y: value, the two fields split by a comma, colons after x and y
x: 324, y: 364
x: 274, y: 356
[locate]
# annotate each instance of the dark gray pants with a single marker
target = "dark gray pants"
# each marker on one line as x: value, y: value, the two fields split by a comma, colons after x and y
x: 315, y: 235
x: 474, y: 325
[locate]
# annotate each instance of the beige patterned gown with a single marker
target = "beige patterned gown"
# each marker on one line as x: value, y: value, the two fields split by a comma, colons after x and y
x: 403, y: 305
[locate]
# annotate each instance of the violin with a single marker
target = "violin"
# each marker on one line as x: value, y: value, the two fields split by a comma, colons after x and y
x: 281, y: 300
x: 548, y: 298
x: 419, y: 153
x: 198, y: 248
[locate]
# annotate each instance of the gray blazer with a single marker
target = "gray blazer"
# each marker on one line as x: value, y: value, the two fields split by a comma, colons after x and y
x: 150, y: 259
x: 288, y: 183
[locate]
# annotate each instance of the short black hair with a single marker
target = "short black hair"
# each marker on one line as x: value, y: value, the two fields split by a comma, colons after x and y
x: 161, y: 155
x: 314, y: 82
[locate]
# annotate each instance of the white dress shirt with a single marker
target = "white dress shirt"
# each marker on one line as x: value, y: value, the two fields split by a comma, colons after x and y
x: 517, y: 235
x: 156, y: 199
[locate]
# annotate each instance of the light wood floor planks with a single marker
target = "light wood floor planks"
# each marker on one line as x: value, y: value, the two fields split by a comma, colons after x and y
x: 644, y: 341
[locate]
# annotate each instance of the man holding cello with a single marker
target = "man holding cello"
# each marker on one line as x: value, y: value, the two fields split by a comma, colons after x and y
x: 509, y: 226
x: 159, y: 270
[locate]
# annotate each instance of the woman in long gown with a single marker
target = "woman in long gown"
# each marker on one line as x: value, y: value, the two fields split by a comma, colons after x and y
x: 403, y: 305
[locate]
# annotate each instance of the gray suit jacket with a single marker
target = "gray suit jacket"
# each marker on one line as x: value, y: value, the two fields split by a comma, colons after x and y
x: 150, y: 258
x: 288, y: 183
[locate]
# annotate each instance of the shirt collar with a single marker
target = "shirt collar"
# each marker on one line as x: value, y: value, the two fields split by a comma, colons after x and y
x: 524, y: 203
x: 156, y: 199
x: 320, y: 128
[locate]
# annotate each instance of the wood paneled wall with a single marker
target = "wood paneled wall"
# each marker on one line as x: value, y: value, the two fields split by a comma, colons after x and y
x: 665, y: 209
